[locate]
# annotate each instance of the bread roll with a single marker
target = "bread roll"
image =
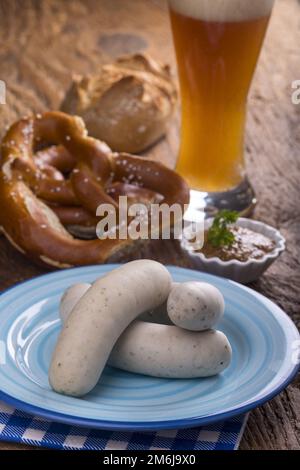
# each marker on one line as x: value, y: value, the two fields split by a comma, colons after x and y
x: 127, y: 103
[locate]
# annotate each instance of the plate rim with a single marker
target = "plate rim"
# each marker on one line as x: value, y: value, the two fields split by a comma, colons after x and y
x: 152, y: 425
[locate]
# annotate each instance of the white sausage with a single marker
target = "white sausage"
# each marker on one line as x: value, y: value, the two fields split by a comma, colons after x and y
x: 195, y: 306
x: 165, y: 351
x: 171, y: 352
x: 72, y: 295
x: 70, y: 299
x: 98, y: 320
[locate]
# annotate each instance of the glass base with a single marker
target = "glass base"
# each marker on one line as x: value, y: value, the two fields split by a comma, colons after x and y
x: 241, y: 199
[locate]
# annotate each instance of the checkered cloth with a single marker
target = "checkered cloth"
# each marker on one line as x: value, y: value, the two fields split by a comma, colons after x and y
x: 17, y: 426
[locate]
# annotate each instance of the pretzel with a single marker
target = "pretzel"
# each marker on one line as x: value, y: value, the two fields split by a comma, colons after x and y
x: 54, y: 175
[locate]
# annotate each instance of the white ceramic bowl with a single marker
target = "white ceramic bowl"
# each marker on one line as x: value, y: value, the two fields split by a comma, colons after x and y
x: 243, y: 272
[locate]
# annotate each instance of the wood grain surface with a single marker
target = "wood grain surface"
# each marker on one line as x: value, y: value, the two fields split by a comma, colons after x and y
x: 43, y: 42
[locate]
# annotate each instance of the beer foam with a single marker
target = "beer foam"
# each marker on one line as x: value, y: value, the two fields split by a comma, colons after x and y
x: 223, y: 10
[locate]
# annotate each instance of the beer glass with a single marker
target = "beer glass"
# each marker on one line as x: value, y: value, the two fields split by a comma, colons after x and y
x: 217, y: 44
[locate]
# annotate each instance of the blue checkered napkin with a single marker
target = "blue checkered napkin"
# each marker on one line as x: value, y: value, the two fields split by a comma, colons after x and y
x: 17, y: 426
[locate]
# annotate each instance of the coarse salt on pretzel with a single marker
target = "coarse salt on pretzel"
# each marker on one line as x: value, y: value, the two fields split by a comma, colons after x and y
x: 53, y: 174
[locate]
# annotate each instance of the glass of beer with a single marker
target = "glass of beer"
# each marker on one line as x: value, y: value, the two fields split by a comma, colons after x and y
x: 217, y: 45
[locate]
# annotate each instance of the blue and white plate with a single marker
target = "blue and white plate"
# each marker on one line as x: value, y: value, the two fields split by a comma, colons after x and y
x: 263, y: 338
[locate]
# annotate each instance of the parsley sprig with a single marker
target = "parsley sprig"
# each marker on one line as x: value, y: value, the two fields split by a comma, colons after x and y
x: 219, y: 233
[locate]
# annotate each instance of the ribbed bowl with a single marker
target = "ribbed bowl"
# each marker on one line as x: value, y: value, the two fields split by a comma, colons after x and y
x: 242, y: 272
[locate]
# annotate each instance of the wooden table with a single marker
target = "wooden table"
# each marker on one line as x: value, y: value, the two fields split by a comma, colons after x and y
x: 43, y: 42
